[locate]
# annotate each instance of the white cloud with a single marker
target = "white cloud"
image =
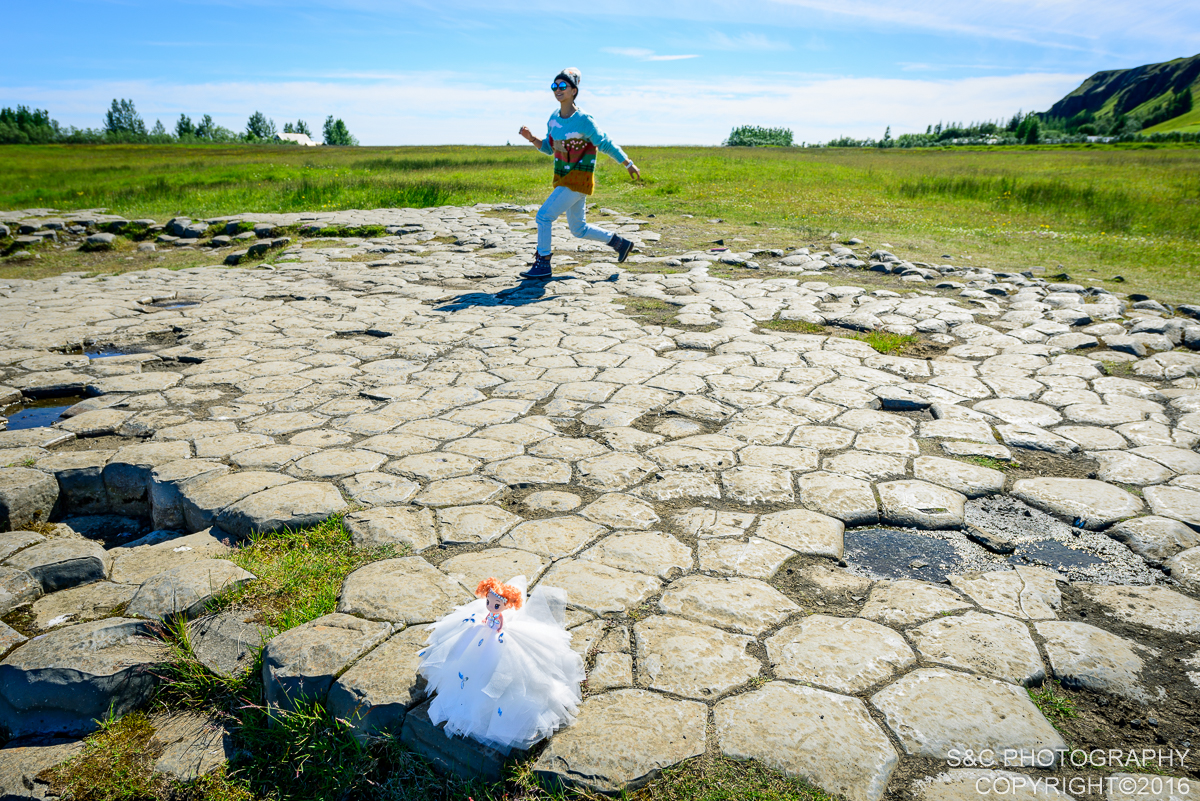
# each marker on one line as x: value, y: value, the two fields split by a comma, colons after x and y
x: 756, y: 42
x: 642, y: 54
x: 427, y: 108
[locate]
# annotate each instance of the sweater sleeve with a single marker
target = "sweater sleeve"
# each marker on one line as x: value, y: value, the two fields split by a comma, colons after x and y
x: 602, y: 142
x: 546, y: 148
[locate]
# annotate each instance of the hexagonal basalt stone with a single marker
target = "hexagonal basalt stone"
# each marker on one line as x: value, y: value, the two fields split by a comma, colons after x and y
x: 62, y: 562
x: 993, y: 645
x: 1082, y: 502
x: 303, y: 662
x: 900, y: 603
x: 80, y: 484
x: 690, y: 659
x: 598, y: 588
x: 745, y: 605
x: 68, y: 679
x: 526, y: 471
x: 1001, y: 716
x: 474, y: 524
x: 379, y: 488
x: 460, y: 491
x: 228, y: 642
x: 375, y: 694
x: 614, y: 471
x: 1155, y: 607
x: 17, y: 587
x: 434, y: 466
x: 149, y: 556
x: 845, y: 654
x: 1155, y: 539
x: 919, y: 504
x: 804, y: 532
x: 752, y: 485
x: 26, y: 496
x: 184, y: 590
x: 1026, y: 592
x: 469, y: 569
x: 1176, y: 503
x: 127, y: 474
x: 828, y: 739
x: 642, y: 552
x: 617, y: 510
x: 850, y: 500
x: 408, y: 590
x: 336, y: 463
x: 756, y: 558
x: 22, y: 761
x: 1087, y: 657
x: 296, y: 505
x: 81, y: 604
x: 623, y: 739
x: 203, y: 500
x: 396, y: 526
x: 1185, y: 568
x: 554, y: 537
x: 971, y: 480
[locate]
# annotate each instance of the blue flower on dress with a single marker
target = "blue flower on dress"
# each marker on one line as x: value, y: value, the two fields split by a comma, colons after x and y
x: 500, y: 639
x: 499, y: 711
x: 462, y: 681
x: 479, y: 643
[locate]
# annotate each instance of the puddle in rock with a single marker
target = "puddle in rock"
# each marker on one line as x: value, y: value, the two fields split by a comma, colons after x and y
x: 1054, y: 555
x: 105, y: 351
x: 37, y: 413
x: 166, y: 305
x: 892, y: 554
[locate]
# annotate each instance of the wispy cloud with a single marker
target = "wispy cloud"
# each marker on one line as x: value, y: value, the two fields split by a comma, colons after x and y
x: 642, y: 54
x: 719, y: 40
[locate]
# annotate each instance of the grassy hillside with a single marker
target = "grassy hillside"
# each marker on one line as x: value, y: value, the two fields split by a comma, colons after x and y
x: 1140, y: 91
x: 1185, y: 123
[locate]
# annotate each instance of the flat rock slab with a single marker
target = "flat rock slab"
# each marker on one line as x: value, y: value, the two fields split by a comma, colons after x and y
x: 204, y: 499
x: 226, y: 643
x: 993, y: 645
x: 1155, y: 539
x: 133, y: 565
x: 407, y: 591
x: 469, y: 569
x: 825, y: 738
x: 1175, y: 502
x: 1001, y: 715
x: 10, y: 638
x: 376, y: 693
x: 303, y: 662
x: 617, y: 510
x: 753, y: 485
x: 745, y: 605
x: 598, y: 588
x: 17, y: 587
x: 553, y: 537
x: 1030, y: 593
x: 902, y: 603
x: 192, y: 745
x: 26, y: 496
x: 460, y: 525
x: 805, y: 532
x: 62, y: 562
x: 623, y: 739
x: 850, y: 500
x: 13, y: 541
x: 80, y: 604
x: 1154, y: 607
x: 844, y: 654
x: 68, y: 679
x: 919, y: 504
x: 755, y: 558
x: 1185, y: 568
x: 1091, y: 658
x: 971, y: 480
x: 462, y: 756
x: 690, y: 659
x: 297, y: 505
x: 375, y: 488
x: 395, y: 526
x: 184, y: 590
x: 22, y: 761
x: 642, y: 552
x: 1083, y: 502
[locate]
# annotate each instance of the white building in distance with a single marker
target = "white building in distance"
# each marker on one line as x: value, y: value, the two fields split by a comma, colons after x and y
x: 298, y: 138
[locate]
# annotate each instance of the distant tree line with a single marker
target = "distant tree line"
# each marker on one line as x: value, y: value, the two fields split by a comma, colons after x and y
x: 123, y: 125
x: 755, y: 136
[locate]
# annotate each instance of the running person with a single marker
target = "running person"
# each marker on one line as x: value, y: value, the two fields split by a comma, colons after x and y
x: 573, y: 139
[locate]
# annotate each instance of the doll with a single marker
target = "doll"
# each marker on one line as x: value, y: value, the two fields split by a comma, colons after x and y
x: 502, y: 666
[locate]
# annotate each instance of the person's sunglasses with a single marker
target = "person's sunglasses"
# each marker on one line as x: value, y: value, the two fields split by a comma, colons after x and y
x: 554, y: 87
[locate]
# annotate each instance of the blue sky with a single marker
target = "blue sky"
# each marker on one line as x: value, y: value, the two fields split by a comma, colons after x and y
x: 466, y: 72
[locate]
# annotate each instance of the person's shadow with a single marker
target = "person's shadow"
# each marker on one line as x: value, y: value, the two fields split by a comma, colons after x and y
x: 524, y: 293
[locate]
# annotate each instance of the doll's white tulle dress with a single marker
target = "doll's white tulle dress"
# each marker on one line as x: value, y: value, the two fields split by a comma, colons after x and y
x: 508, y: 689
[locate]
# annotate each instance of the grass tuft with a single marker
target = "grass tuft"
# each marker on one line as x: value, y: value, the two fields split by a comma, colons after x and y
x: 299, y: 573
x: 887, y: 342
x: 116, y: 763
x: 1053, y: 705
x: 1003, y: 465
x: 793, y: 326
x: 723, y: 779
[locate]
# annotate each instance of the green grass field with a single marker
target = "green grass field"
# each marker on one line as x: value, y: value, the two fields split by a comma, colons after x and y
x: 1099, y: 211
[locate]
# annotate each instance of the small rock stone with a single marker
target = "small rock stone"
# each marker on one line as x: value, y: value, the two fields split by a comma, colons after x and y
x: 303, y: 662
x: 1083, y: 656
x: 993, y: 645
x: 184, y: 590
x: 408, y: 591
x: 901, y: 603
x: 844, y: 654
x: 745, y: 605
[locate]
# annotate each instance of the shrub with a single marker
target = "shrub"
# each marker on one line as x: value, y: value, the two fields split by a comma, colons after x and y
x: 756, y: 136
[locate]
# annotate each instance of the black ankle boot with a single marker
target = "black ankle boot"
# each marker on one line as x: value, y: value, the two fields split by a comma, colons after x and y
x: 540, y: 269
x: 621, y: 245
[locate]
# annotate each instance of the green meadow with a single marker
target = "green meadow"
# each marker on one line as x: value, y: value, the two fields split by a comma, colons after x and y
x: 1123, y: 216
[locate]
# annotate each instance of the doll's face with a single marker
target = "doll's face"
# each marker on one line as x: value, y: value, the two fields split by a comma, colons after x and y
x: 496, y: 603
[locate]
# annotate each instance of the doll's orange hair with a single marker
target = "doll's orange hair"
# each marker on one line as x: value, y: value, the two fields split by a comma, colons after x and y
x: 508, y: 591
